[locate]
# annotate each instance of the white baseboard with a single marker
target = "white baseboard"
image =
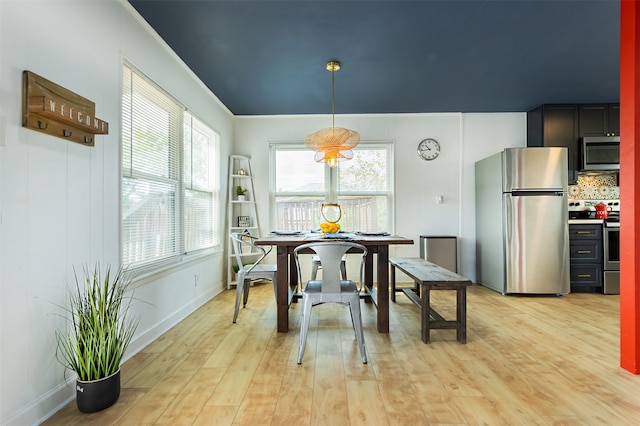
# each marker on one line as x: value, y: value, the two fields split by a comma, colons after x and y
x: 145, y: 338
x: 42, y: 408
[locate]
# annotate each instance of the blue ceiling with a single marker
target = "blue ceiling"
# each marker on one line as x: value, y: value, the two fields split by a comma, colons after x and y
x: 268, y: 57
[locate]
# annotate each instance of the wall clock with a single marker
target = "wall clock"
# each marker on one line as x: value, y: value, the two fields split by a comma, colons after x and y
x: 428, y: 149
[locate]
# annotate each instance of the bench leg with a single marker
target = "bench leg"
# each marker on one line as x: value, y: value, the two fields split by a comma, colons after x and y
x: 461, y: 313
x: 394, y: 289
x: 425, y: 313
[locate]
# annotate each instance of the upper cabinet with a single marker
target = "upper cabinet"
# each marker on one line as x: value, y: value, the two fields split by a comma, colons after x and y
x: 556, y: 125
x: 564, y: 124
x: 600, y: 120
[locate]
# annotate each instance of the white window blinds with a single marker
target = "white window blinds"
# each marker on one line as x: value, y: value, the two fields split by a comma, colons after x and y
x: 200, y: 184
x: 168, y: 179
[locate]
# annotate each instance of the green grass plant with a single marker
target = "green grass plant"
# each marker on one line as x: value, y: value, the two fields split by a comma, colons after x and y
x: 99, y: 327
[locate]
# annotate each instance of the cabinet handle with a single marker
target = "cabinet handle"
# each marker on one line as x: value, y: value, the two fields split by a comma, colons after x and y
x: 584, y: 275
x: 584, y: 232
x: 584, y: 251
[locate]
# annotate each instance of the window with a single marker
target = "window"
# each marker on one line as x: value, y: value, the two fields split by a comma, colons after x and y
x: 200, y: 157
x: 169, y: 178
x: 365, y: 190
x: 362, y: 186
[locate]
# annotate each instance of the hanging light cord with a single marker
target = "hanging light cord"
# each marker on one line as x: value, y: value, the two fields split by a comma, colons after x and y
x: 333, y: 113
x: 332, y: 144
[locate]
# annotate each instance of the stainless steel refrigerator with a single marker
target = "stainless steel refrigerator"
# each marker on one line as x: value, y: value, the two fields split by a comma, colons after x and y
x: 522, y: 231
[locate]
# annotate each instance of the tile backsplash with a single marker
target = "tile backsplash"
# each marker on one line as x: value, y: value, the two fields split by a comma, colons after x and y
x: 595, y: 187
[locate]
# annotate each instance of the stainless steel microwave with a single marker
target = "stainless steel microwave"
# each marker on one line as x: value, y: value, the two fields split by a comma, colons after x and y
x: 600, y: 153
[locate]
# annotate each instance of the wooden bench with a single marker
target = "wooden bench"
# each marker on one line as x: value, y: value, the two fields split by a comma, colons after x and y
x: 428, y: 276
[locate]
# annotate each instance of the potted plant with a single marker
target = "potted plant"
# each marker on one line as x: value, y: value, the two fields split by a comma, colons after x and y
x: 241, y: 192
x: 99, y: 330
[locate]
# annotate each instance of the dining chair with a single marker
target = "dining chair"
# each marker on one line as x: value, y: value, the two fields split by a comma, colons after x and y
x: 331, y: 288
x: 248, y: 257
x: 316, y: 265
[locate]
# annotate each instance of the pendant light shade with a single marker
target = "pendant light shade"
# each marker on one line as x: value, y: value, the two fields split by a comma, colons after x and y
x: 332, y: 144
x: 332, y: 156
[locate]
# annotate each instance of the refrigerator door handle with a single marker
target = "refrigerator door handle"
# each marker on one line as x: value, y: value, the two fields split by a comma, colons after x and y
x: 508, y: 214
x: 520, y: 193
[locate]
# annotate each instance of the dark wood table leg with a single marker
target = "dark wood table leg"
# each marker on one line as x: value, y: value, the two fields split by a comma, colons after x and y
x: 368, y: 276
x: 383, y: 288
x: 293, y: 279
x: 282, y: 298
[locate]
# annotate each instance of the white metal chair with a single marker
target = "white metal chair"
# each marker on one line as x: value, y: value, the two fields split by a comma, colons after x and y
x: 316, y: 265
x: 331, y: 288
x: 244, y: 249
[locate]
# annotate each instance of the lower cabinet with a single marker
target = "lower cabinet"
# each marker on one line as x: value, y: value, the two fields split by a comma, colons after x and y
x: 585, y: 253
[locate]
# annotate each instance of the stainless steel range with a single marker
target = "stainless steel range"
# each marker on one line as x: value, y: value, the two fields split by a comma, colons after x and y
x: 584, y: 211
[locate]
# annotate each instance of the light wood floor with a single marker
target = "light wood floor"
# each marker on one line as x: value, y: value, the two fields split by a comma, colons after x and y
x: 528, y: 361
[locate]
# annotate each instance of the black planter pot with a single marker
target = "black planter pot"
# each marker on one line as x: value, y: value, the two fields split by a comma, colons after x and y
x: 99, y: 394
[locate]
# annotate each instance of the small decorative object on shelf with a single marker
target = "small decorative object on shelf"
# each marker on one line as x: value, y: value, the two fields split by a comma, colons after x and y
x: 241, y: 192
x: 241, y: 172
x: 243, y: 221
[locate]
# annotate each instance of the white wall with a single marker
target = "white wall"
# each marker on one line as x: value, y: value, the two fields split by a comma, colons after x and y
x: 59, y: 201
x: 464, y: 139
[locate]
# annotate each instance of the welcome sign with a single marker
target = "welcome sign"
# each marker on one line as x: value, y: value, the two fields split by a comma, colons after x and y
x: 56, y: 111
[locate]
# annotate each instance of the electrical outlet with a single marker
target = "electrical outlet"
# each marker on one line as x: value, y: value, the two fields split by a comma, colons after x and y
x: 196, y: 280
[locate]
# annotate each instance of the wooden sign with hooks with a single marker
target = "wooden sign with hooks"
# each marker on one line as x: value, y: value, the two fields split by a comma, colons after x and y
x: 54, y: 110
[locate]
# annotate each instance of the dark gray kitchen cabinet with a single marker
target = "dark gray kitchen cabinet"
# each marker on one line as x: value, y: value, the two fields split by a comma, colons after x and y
x: 599, y: 120
x: 585, y: 257
x: 552, y: 125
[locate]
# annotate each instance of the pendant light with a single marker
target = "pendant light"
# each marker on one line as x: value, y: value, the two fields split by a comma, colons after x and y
x: 332, y: 144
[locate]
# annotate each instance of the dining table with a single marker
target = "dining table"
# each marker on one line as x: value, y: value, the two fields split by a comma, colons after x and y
x: 287, y: 276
